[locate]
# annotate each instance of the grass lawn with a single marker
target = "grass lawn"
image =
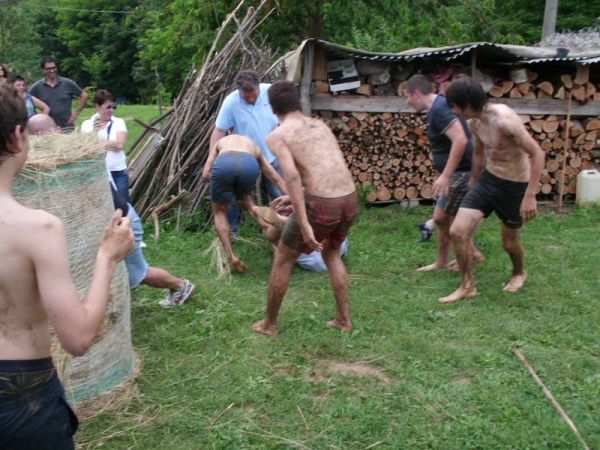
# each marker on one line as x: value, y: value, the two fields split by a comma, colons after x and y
x: 413, y: 374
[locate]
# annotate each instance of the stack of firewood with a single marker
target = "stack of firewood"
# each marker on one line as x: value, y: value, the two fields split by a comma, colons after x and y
x: 389, y: 152
x: 580, y: 87
x: 573, y: 152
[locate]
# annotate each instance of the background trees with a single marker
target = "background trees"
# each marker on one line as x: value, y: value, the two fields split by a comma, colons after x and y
x: 130, y: 46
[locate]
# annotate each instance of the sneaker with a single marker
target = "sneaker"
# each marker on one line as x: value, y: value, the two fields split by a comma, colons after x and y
x: 178, y: 297
x: 425, y: 232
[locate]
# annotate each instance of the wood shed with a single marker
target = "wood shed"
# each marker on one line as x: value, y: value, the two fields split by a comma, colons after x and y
x: 360, y: 95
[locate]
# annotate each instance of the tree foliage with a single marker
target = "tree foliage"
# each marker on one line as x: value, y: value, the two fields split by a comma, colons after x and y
x: 129, y: 46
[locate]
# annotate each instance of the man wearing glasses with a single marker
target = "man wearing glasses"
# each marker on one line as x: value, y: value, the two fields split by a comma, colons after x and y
x: 58, y: 92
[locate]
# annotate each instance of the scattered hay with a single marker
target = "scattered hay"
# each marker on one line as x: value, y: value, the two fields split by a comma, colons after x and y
x: 360, y: 369
x: 113, y: 400
x: 218, y: 259
x: 56, y: 150
x: 465, y: 381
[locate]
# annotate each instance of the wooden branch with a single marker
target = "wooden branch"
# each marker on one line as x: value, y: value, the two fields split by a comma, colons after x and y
x: 161, y: 209
x: 550, y: 397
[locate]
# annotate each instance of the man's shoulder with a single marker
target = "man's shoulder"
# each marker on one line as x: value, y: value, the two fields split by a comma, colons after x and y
x: 37, y: 85
x: 35, y: 220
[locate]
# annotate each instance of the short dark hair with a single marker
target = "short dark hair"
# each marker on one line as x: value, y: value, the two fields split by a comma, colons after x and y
x: 246, y: 80
x: 12, y: 113
x: 284, y: 97
x: 466, y: 91
x: 11, y: 81
x: 48, y: 59
x: 4, y: 69
x: 102, y: 95
x: 419, y: 83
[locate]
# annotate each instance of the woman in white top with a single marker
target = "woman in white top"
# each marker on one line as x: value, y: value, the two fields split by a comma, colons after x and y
x: 114, y: 131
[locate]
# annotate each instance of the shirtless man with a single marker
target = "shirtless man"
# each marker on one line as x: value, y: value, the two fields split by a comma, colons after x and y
x: 36, y: 289
x: 233, y: 166
x: 309, y: 155
x: 507, y: 163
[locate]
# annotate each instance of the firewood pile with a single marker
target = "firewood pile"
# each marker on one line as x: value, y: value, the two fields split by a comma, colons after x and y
x: 389, y: 154
x: 389, y: 151
x: 170, y: 165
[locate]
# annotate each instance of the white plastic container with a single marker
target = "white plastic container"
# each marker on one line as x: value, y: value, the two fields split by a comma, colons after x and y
x: 588, y: 187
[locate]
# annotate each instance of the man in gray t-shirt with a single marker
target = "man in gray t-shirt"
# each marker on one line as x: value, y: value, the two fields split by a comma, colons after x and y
x: 58, y: 92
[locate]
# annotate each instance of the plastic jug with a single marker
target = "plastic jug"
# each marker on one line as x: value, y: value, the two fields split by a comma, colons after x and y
x: 588, y: 187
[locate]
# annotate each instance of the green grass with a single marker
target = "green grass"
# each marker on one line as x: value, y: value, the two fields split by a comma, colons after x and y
x: 209, y: 382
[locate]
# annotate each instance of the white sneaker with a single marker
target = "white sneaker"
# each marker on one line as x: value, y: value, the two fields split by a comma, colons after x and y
x: 178, y: 297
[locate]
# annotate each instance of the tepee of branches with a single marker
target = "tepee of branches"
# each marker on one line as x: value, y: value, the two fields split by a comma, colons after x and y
x: 170, y: 163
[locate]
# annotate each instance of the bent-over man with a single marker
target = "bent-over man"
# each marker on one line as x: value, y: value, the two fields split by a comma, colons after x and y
x: 507, y: 163
x: 236, y: 162
x: 324, y: 210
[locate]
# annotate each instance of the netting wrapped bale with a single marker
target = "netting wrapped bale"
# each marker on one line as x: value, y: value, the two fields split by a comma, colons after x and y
x: 66, y: 176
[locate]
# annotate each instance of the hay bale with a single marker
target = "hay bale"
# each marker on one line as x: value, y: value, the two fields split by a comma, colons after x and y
x: 66, y: 176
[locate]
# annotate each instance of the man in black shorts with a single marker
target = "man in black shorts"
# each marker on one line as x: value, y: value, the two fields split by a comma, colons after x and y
x: 513, y: 162
x: 451, y: 148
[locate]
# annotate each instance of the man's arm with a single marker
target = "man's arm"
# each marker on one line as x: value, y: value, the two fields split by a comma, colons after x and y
x: 83, y: 98
x: 76, y: 322
x: 40, y: 105
x: 522, y: 139
x: 216, y: 135
x: 270, y: 173
x: 456, y: 133
x: 293, y: 182
x: 477, y: 160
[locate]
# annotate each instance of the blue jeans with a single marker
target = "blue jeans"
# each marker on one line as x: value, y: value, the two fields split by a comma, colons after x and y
x: 233, y: 212
x: 33, y: 411
x: 122, y: 183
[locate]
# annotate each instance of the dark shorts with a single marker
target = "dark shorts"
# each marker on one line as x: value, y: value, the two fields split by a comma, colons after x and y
x: 233, y: 176
x: 33, y: 411
x: 330, y: 219
x: 491, y: 193
x: 457, y: 189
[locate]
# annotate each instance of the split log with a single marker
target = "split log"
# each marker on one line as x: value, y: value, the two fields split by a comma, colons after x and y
x: 546, y: 87
x: 583, y: 74
x: 567, y: 81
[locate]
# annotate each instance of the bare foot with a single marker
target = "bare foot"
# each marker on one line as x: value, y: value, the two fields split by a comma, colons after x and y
x: 238, y: 265
x: 515, y: 283
x: 260, y: 327
x: 452, y: 266
x: 459, y: 294
x: 435, y: 266
x: 347, y: 328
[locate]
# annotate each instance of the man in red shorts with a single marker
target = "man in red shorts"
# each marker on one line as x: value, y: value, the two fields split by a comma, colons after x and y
x: 322, y: 193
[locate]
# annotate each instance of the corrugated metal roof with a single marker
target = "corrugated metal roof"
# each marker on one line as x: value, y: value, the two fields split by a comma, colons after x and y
x: 499, y: 52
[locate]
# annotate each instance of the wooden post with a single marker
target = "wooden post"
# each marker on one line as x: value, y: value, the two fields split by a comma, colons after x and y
x: 473, y: 62
x: 549, y: 18
x: 307, y: 71
x: 566, y: 147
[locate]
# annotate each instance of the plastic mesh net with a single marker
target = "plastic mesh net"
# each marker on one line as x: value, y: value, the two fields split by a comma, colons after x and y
x: 78, y: 193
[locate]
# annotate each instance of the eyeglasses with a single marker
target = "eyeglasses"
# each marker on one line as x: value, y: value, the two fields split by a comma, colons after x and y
x: 50, y: 69
x: 110, y: 107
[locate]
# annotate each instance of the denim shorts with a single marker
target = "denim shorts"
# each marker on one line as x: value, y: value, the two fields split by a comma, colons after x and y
x: 137, y: 267
x: 457, y: 189
x: 233, y: 176
x: 33, y: 411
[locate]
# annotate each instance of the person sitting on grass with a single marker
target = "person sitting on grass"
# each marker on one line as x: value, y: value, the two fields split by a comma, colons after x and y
x: 233, y: 166
x: 36, y: 290
x: 140, y: 272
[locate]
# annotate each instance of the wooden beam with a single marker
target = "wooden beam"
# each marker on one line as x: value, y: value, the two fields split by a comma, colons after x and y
x: 351, y: 103
x: 307, y: 72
